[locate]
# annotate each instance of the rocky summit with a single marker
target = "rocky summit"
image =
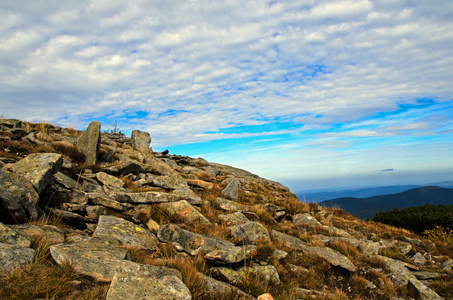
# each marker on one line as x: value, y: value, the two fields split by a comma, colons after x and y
x: 98, y: 215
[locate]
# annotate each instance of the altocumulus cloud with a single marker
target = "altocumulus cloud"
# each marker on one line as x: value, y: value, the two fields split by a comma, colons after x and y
x: 337, y: 72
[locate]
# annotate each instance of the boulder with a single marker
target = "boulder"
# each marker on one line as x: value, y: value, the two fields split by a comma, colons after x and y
x: 146, y: 197
x: 9, y: 235
x: 231, y: 191
x: 306, y: 219
x: 141, y: 141
x: 12, y: 256
x: 119, y: 231
x: 89, y: 143
x: 38, y: 168
x: 200, y: 183
x: 217, y: 289
x: 93, y: 212
x: 171, y: 181
x: 231, y: 255
x: 147, y: 288
x: 109, y: 181
x: 99, y: 260
x: 250, y: 232
x: 424, y: 292
x: 18, y: 199
x: 188, y: 195
x: 331, y: 256
x: 234, y: 218
x: 130, y: 167
x: 110, y: 203
x: 191, y: 242
x: 185, y: 211
x: 52, y: 234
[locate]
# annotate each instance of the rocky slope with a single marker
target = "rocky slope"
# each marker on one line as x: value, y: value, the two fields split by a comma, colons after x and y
x: 161, y: 226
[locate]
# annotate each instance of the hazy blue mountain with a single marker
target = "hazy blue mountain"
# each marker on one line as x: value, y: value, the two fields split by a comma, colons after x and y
x: 322, y: 195
x: 366, y: 208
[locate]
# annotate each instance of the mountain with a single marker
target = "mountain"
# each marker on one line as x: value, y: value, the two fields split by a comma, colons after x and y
x: 318, y: 196
x: 366, y: 208
x: 98, y: 215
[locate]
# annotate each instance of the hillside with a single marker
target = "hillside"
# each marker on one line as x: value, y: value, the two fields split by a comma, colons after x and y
x: 97, y: 215
x: 366, y: 208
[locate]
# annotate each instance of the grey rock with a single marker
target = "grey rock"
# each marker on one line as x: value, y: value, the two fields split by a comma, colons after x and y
x: 424, y: 275
x: 305, y: 218
x: 89, y: 143
x: 141, y: 141
x: 234, y: 218
x: 52, y: 234
x: 231, y: 255
x: 101, y: 261
x: 424, y: 292
x: 191, y: 242
x: 185, y: 211
x: 69, y: 196
x: 125, y: 233
x: 231, y: 191
x: 12, y: 256
x: 419, y: 259
x: 400, y: 274
x: 9, y: 235
x: 170, y: 182
x: 110, y: 203
x: 331, y: 256
x: 124, y: 287
x: 38, y: 168
x: 447, y: 265
x: 110, y: 182
x: 146, y: 197
x: 18, y: 199
x: 130, y: 167
x: 250, y: 232
x: 93, y: 212
x: 188, y: 195
x: 66, y: 181
x: 218, y: 288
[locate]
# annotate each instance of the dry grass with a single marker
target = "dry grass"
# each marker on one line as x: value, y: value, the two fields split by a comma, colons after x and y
x: 443, y: 286
x: 71, y: 152
x: 205, y: 176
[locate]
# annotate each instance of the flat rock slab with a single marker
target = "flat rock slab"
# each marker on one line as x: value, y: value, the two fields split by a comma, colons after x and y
x: 250, y: 232
x: 331, y: 256
x: 191, y: 242
x: 120, y: 231
x: 98, y: 259
x: 217, y: 288
x: 38, y: 168
x: 200, y: 183
x: 146, y: 197
x: 188, y: 195
x: 12, y: 256
x: 9, y: 235
x: 229, y: 205
x: 185, y: 211
x: 125, y: 287
x: 231, y: 256
x: 52, y: 234
x: 234, y: 218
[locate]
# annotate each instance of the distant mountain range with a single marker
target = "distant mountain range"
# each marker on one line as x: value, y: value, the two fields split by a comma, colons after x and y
x: 322, y: 195
x: 366, y: 208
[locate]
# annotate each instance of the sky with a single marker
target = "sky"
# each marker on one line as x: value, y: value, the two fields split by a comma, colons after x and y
x: 313, y: 94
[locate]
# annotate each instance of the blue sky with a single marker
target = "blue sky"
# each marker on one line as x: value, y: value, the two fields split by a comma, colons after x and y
x: 314, y: 94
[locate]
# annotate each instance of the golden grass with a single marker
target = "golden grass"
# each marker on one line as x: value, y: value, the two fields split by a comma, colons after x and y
x: 395, y: 253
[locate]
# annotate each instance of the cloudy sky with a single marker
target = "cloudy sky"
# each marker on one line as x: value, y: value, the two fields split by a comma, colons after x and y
x: 314, y: 94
